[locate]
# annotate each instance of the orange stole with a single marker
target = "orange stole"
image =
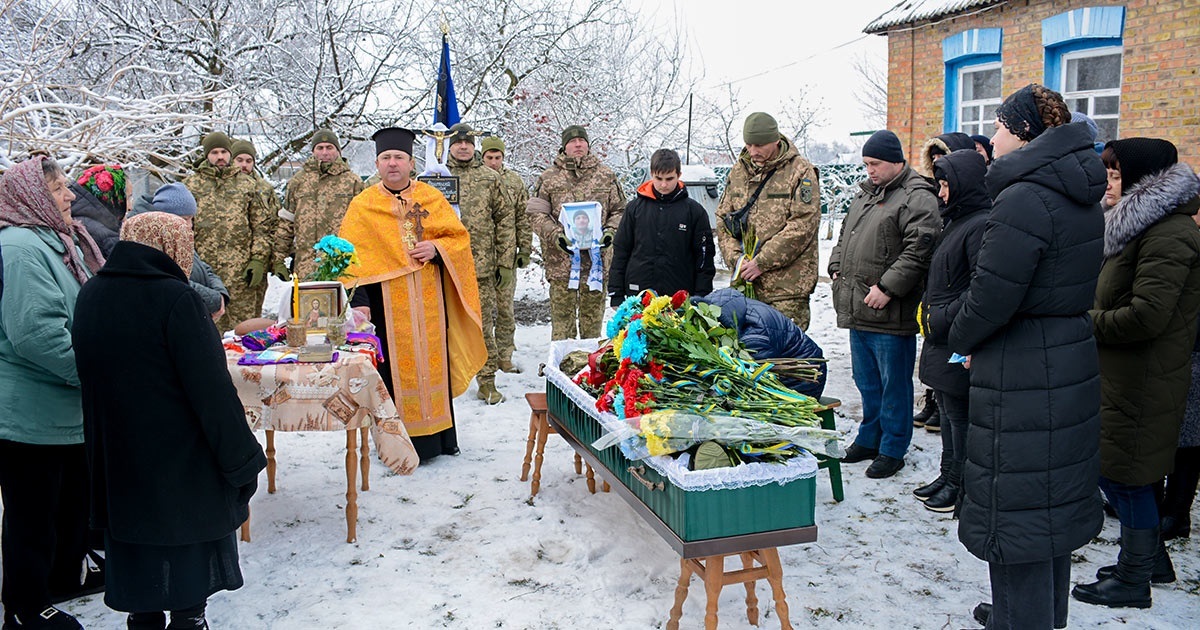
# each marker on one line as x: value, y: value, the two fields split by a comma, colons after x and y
x: 432, y: 309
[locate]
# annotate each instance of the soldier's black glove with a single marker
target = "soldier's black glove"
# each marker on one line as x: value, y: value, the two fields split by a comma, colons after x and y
x: 606, y: 241
x: 255, y: 273
x: 281, y: 271
x: 564, y: 244
x: 616, y: 299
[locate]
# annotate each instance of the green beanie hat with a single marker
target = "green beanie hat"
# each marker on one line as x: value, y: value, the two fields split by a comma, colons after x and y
x: 214, y: 140
x: 760, y: 128
x: 325, y: 135
x: 461, y: 132
x: 492, y: 143
x: 243, y: 146
x: 572, y: 132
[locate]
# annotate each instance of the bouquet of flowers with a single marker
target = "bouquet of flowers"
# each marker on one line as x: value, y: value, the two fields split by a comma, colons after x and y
x: 334, y: 255
x: 668, y: 353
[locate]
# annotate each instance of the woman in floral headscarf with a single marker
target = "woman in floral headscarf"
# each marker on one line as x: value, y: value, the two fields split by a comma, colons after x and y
x: 43, y: 470
x: 100, y: 203
x: 173, y: 461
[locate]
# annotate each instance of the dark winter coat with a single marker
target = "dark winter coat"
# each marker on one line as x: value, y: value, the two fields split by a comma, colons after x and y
x: 663, y: 243
x: 1032, y: 455
x: 767, y: 334
x: 887, y: 238
x: 942, y: 145
x: 173, y: 459
x: 208, y: 284
x: 951, y: 266
x: 1147, y: 300
x: 102, y: 221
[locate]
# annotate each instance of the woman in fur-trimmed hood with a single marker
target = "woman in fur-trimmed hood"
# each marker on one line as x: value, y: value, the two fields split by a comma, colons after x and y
x: 938, y: 146
x: 1147, y: 300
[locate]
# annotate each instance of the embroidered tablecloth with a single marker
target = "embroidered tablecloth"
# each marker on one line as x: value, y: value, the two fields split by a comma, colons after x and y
x: 348, y: 394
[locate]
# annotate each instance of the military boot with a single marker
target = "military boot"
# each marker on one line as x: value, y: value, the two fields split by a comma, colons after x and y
x: 488, y: 392
x: 506, y: 365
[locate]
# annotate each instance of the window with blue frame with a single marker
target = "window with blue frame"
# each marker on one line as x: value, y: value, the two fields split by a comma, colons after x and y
x: 973, y: 80
x: 1084, y: 50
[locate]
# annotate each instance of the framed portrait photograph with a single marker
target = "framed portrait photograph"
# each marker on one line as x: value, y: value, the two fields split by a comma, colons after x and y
x: 582, y: 223
x: 319, y: 301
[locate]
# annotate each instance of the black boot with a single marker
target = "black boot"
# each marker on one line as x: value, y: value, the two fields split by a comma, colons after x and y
x: 924, y: 492
x: 944, y: 500
x: 1163, y: 573
x: 1129, y: 586
x: 1180, y: 492
x: 49, y: 619
x: 928, y: 410
x: 146, y: 621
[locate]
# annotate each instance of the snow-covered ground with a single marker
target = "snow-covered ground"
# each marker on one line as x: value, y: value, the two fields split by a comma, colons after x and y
x: 459, y: 544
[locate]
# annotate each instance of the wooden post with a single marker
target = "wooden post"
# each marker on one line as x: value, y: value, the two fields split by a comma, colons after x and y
x: 351, y: 489
x: 270, y: 462
x: 365, y: 460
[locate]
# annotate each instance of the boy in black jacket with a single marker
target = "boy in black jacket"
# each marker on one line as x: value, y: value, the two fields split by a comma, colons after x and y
x: 665, y: 241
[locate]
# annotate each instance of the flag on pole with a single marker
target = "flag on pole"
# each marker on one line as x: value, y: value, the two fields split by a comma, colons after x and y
x: 445, y: 107
x: 445, y: 114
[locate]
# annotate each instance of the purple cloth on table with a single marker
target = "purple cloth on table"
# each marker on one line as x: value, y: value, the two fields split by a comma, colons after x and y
x: 263, y: 339
x: 252, y: 358
x: 357, y: 337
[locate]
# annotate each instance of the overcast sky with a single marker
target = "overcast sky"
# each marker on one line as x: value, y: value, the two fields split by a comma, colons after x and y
x: 789, y: 44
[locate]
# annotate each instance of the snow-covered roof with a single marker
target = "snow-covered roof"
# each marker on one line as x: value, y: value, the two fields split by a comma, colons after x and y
x: 911, y: 11
x: 697, y: 173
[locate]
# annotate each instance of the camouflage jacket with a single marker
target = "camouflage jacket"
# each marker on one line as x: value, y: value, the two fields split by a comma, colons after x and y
x: 488, y: 215
x: 317, y: 199
x: 785, y: 220
x: 570, y: 180
x: 270, y: 201
x: 232, y: 224
x: 517, y: 194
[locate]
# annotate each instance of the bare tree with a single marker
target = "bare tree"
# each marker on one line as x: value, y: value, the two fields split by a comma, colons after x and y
x: 872, y: 97
x: 718, y: 116
x: 800, y: 116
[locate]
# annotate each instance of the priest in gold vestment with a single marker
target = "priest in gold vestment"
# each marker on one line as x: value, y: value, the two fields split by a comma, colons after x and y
x: 416, y: 281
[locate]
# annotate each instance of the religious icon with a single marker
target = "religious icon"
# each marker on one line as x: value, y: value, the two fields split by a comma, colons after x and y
x: 581, y: 223
x: 320, y: 301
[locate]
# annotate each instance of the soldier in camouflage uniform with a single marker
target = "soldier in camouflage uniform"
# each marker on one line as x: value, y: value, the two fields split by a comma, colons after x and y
x: 489, y: 217
x: 515, y: 192
x: 233, y: 229
x: 245, y: 157
x: 784, y: 219
x: 576, y: 175
x: 316, y: 201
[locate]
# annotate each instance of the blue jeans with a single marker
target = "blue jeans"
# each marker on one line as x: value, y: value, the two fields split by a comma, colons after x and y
x: 1135, y: 505
x: 883, y: 371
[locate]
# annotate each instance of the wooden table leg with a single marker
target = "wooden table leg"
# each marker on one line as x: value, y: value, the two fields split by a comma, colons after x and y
x: 246, y: 527
x: 605, y: 487
x: 579, y: 466
x: 543, y: 431
x: 351, y: 486
x: 681, y: 593
x: 714, y: 572
x: 591, y: 479
x: 751, y: 598
x: 529, y: 442
x: 270, y: 461
x: 775, y: 579
x: 364, y: 461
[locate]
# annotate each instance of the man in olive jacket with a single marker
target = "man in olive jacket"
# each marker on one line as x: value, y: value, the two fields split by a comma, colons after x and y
x: 784, y: 218
x: 878, y: 270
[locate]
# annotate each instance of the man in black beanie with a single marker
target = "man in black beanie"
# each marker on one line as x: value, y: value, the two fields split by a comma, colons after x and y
x: 878, y: 270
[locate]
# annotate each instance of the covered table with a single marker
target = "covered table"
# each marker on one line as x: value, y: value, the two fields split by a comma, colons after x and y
x: 346, y: 395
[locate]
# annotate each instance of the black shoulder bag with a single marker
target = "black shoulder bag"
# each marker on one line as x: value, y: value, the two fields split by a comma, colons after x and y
x: 735, y: 222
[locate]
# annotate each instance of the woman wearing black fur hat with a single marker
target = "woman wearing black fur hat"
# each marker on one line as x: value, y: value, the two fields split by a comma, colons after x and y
x: 1147, y: 301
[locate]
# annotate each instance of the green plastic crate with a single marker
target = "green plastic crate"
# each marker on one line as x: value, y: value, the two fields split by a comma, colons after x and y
x: 696, y: 515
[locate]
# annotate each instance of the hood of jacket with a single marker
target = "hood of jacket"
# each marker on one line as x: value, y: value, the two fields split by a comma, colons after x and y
x: 964, y: 170
x: 945, y: 144
x: 786, y: 153
x: 476, y: 160
x: 134, y: 259
x: 206, y: 169
x: 1152, y: 199
x: 647, y: 190
x: 1061, y: 159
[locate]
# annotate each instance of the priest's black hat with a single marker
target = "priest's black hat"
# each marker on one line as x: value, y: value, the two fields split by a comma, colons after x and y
x: 390, y: 138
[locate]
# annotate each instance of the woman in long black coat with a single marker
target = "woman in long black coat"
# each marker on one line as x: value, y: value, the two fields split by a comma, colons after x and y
x: 1147, y: 300
x: 173, y: 461
x: 1033, y: 444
